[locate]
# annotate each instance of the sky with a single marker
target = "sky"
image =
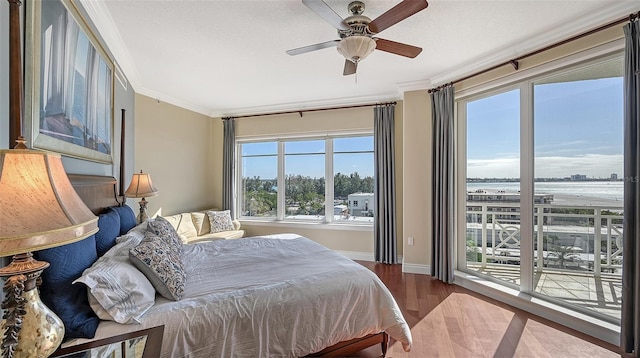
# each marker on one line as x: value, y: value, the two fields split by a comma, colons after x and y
x: 577, y: 130
x: 351, y: 155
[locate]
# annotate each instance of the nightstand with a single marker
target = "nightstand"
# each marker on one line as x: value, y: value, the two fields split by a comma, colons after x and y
x: 145, y: 343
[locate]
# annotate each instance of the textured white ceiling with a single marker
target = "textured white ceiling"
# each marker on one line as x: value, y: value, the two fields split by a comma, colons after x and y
x: 228, y: 57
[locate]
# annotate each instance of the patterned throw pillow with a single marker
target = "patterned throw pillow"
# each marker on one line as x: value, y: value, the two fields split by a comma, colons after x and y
x: 220, y: 221
x: 161, y: 264
x: 162, y: 228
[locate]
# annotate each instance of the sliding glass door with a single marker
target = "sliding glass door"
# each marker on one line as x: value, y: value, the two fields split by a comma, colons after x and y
x: 493, y: 186
x: 544, y: 186
x: 578, y: 147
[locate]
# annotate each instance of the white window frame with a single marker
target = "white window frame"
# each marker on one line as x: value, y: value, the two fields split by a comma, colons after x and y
x: 280, y: 217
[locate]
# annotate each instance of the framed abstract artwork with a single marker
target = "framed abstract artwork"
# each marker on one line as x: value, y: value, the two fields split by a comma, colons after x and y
x: 69, y: 84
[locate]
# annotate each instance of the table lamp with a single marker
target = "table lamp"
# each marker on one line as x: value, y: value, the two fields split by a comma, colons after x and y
x: 39, y: 209
x: 141, y: 187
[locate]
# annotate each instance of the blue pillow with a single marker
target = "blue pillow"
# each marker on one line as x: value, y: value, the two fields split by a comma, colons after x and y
x: 127, y: 218
x: 109, y: 229
x: 69, y: 301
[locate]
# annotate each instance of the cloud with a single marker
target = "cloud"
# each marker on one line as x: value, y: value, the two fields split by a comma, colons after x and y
x: 591, y: 165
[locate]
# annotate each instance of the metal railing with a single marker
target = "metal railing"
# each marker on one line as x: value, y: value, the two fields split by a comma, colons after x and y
x: 582, y: 238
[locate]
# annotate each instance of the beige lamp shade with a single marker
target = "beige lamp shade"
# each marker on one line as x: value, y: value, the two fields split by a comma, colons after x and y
x: 141, y: 186
x: 39, y: 208
x: 356, y: 48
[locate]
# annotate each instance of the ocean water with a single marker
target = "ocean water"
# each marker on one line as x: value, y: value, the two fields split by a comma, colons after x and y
x: 606, y: 191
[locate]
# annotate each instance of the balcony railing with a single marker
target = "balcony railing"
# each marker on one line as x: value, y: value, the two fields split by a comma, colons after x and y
x: 568, y: 238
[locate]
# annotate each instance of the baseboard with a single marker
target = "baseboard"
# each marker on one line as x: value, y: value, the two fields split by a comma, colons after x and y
x: 416, y: 268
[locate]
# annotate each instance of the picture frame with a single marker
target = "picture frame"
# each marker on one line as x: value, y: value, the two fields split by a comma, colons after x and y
x: 69, y: 82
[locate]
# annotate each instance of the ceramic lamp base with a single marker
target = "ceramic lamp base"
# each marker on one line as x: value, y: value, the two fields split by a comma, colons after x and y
x: 29, y: 328
x: 143, y: 211
x: 42, y: 331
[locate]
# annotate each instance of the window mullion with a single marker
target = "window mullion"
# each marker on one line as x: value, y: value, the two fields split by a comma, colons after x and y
x: 281, y: 184
x: 238, y: 190
x: 526, y: 187
x: 328, y: 182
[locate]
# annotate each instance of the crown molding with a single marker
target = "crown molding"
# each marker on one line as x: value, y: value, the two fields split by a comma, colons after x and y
x: 101, y: 18
x: 308, y: 105
x: 571, y: 28
x: 413, y: 86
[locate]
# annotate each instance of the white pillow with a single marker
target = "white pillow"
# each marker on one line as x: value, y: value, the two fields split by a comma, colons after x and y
x: 201, y: 222
x: 133, y: 237
x: 117, y: 290
x: 184, y: 226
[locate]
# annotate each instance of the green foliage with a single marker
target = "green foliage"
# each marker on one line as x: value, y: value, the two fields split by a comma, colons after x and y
x: 349, y: 184
x: 473, y: 253
x: 304, y: 193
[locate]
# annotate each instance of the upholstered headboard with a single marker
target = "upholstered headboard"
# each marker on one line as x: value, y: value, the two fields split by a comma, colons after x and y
x: 97, y: 192
x: 67, y: 262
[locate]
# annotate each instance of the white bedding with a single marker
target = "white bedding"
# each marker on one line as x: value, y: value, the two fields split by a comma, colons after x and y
x: 269, y: 297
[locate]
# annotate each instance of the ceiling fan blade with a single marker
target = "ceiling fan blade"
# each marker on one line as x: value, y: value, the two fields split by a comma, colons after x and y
x: 305, y: 49
x: 396, y: 14
x: 324, y: 11
x: 349, y: 68
x: 397, y: 48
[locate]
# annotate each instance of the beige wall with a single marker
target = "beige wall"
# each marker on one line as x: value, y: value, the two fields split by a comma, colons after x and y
x: 340, y: 240
x: 416, y: 178
x: 180, y: 149
x: 591, y: 41
x: 356, y: 119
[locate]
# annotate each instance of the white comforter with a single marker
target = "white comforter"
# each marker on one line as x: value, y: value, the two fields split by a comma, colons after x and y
x: 266, y: 297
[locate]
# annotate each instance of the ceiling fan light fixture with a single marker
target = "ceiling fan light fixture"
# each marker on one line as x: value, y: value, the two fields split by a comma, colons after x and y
x: 356, y: 48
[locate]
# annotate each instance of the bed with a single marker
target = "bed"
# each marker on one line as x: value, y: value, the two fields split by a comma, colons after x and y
x: 282, y: 295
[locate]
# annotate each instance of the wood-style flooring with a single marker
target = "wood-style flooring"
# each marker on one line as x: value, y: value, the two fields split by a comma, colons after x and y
x: 451, y: 321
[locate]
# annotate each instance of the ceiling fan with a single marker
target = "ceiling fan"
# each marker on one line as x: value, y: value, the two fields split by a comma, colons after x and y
x: 357, y: 31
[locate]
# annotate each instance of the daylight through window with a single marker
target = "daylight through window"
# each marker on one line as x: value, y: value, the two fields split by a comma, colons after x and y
x: 304, y: 179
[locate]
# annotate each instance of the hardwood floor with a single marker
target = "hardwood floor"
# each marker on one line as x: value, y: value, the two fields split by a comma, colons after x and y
x: 451, y: 321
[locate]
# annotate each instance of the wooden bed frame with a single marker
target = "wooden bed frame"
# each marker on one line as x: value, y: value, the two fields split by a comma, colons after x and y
x: 101, y: 192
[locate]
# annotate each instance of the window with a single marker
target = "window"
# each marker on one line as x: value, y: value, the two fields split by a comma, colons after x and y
x: 304, y: 167
x: 554, y: 143
x: 259, y: 179
x: 353, y: 177
x: 307, y: 179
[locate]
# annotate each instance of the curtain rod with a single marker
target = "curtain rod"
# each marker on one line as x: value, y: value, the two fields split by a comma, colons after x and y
x: 516, y: 65
x: 310, y: 110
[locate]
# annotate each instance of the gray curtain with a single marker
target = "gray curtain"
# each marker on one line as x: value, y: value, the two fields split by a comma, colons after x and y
x: 630, y: 325
x: 442, y: 209
x: 228, y: 164
x: 385, y: 187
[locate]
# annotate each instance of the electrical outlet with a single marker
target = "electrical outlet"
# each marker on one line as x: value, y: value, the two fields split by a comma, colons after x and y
x: 410, y: 240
